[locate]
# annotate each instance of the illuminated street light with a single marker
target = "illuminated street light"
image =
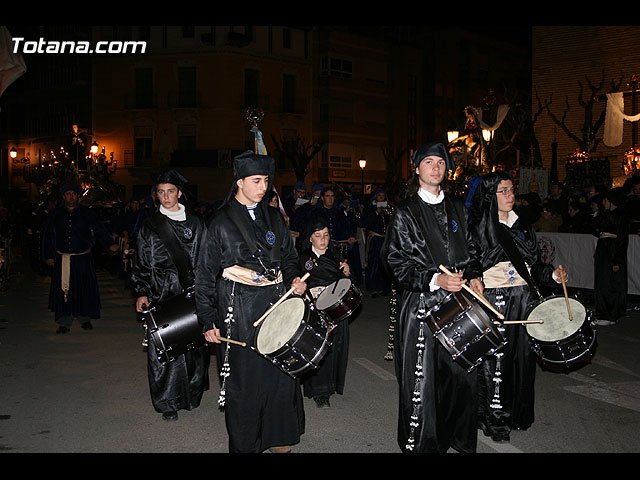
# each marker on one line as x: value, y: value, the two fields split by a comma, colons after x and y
x: 363, y: 163
x: 13, y: 153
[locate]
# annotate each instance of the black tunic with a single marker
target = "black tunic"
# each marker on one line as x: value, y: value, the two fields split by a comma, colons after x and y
x: 180, y: 384
x: 329, y: 378
x: 420, y: 239
x: 263, y: 405
x: 610, y: 288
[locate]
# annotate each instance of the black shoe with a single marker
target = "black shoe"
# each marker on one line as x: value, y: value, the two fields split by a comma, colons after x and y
x: 62, y: 329
x: 501, y: 438
x: 322, y: 402
x: 87, y: 326
x: 170, y: 416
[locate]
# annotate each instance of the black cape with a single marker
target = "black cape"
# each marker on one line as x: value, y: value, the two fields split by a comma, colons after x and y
x: 263, y: 405
x: 181, y: 383
x: 422, y: 237
x: 329, y: 378
x: 506, y: 380
x: 74, y: 231
x: 610, y: 288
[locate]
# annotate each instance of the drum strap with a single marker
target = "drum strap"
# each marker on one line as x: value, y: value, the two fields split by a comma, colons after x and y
x: 160, y: 225
x: 249, y: 240
x: 512, y: 252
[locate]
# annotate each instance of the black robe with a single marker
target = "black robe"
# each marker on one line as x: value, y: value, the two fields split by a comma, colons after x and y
x: 609, y: 287
x: 444, y: 414
x: 509, y: 404
x: 375, y: 223
x: 263, y: 405
x: 180, y: 384
x: 74, y: 231
x: 329, y: 378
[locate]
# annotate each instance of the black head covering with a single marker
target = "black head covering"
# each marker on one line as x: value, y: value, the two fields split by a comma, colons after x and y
x: 437, y: 149
x: 67, y: 187
x: 174, y: 178
x: 249, y: 163
x: 315, y: 224
x: 484, y: 206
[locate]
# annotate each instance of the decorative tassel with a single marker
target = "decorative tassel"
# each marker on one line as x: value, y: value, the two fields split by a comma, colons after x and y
x: 225, y: 371
x: 419, y: 373
x: 393, y: 302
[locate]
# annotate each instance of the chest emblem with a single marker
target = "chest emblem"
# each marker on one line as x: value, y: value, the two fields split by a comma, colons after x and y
x: 270, y: 237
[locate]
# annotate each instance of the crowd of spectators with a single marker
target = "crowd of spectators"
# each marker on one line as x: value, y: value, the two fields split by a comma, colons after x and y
x: 580, y: 210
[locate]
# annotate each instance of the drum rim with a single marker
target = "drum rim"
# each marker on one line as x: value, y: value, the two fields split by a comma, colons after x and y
x: 340, y: 280
x: 297, y: 333
x: 532, y: 327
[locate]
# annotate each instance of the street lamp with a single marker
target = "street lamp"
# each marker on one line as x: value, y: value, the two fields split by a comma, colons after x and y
x: 94, y: 148
x: 13, y: 153
x: 363, y: 163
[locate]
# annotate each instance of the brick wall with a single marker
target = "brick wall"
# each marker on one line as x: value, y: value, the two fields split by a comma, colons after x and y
x: 562, y: 56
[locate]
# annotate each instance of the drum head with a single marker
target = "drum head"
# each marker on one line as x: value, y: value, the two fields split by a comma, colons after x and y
x: 557, y: 325
x: 280, y: 325
x: 329, y: 297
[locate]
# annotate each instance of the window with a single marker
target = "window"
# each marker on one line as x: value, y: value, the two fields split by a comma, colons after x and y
x: 187, y: 86
x: 142, y: 144
x: 251, y: 88
x: 286, y: 38
x: 186, y: 137
x: 288, y: 93
x: 336, y: 161
x: 188, y: 32
x: 143, y: 88
x: 336, y: 67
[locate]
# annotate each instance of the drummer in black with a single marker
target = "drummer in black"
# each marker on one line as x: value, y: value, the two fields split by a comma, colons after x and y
x: 179, y: 384
x: 321, y: 259
x: 507, y: 247
x: 438, y: 397
x: 248, y: 263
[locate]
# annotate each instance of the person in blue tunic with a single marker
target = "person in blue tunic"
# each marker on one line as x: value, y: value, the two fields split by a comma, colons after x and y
x: 69, y: 234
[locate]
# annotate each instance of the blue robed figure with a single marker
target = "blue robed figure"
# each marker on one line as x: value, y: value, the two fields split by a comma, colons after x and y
x: 69, y: 234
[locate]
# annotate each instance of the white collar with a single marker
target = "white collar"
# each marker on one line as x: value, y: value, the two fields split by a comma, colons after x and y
x: 178, y: 215
x: 511, y: 219
x: 430, y: 197
x: 313, y: 249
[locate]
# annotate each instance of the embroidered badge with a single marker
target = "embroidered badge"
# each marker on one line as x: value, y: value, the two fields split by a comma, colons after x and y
x: 309, y: 264
x: 454, y: 226
x: 271, y: 237
x: 188, y: 233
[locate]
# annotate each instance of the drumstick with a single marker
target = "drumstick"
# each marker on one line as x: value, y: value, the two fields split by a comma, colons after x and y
x: 477, y: 295
x: 282, y: 299
x: 507, y: 322
x: 236, y: 342
x: 566, y: 296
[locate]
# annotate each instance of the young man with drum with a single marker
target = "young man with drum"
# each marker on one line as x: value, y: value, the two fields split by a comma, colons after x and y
x: 438, y: 398
x: 248, y: 263
x: 178, y: 384
x: 320, y: 257
x: 507, y: 247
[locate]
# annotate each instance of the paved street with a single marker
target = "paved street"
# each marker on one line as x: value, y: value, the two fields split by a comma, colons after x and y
x: 87, y: 391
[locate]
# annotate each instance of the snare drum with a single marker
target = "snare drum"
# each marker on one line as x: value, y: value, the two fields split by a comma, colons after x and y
x: 464, y: 329
x: 339, y: 300
x: 173, y: 326
x: 559, y: 340
x: 294, y: 336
